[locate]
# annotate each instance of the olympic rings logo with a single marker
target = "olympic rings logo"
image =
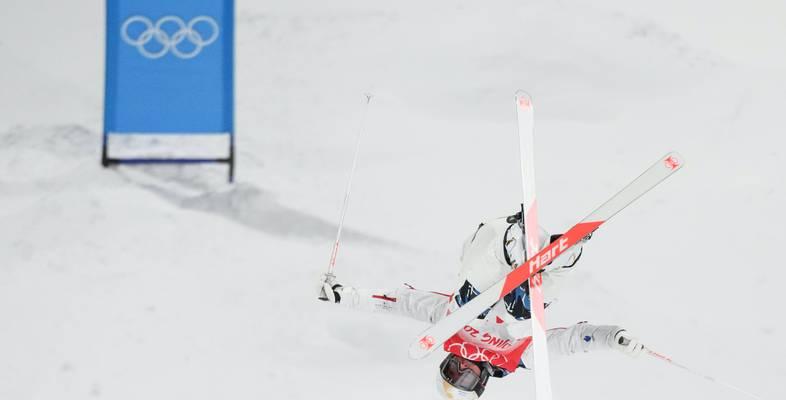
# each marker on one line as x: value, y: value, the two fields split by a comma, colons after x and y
x: 169, y: 39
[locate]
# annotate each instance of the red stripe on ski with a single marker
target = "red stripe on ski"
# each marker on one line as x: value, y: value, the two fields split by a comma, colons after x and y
x: 548, y: 254
x: 383, y: 297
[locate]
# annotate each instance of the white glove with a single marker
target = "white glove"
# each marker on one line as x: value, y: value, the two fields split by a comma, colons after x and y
x: 330, y: 289
x: 628, y: 344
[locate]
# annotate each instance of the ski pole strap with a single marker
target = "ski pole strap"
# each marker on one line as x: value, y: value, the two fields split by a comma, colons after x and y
x: 505, y: 247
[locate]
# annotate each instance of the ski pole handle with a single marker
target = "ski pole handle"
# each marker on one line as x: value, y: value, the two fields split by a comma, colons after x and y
x: 329, y: 278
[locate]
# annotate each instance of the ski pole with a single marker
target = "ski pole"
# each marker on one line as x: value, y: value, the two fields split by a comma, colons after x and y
x: 332, y: 265
x: 706, y: 377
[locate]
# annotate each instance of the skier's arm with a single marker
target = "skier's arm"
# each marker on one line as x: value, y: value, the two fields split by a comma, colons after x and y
x: 585, y: 338
x: 581, y: 338
x: 408, y: 302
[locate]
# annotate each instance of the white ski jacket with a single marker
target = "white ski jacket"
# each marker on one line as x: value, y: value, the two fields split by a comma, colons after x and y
x: 502, y: 334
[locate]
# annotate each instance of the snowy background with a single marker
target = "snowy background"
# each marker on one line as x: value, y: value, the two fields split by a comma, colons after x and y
x: 166, y: 283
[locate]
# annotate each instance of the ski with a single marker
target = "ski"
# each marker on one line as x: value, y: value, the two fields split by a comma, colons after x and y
x: 448, y: 326
x: 525, y: 117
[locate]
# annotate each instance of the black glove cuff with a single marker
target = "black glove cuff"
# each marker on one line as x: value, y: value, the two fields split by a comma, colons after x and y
x: 335, y: 293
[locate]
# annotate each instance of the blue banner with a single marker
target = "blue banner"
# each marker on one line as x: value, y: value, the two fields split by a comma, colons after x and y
x: 169, y: 67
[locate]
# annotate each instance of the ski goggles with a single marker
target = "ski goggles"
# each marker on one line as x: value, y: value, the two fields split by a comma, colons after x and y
x: 464, y: 374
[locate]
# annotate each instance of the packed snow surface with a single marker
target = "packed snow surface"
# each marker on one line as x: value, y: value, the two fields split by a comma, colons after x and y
x: 167, y: 283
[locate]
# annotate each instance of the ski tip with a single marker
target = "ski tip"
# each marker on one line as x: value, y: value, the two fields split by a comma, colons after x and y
x: 423, y: 346
x: 523, y: 99
x: 673, y: 161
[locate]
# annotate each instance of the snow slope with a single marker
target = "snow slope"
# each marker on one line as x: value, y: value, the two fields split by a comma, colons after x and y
x: 166, y: 283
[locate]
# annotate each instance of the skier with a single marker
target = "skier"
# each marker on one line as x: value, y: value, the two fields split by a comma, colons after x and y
x: 498, y: 341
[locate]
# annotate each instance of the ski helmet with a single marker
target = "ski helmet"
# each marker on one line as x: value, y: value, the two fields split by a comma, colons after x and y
x: 462, y: 379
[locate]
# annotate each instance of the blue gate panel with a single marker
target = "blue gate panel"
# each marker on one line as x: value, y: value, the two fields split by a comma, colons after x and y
x: 169, y: 67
